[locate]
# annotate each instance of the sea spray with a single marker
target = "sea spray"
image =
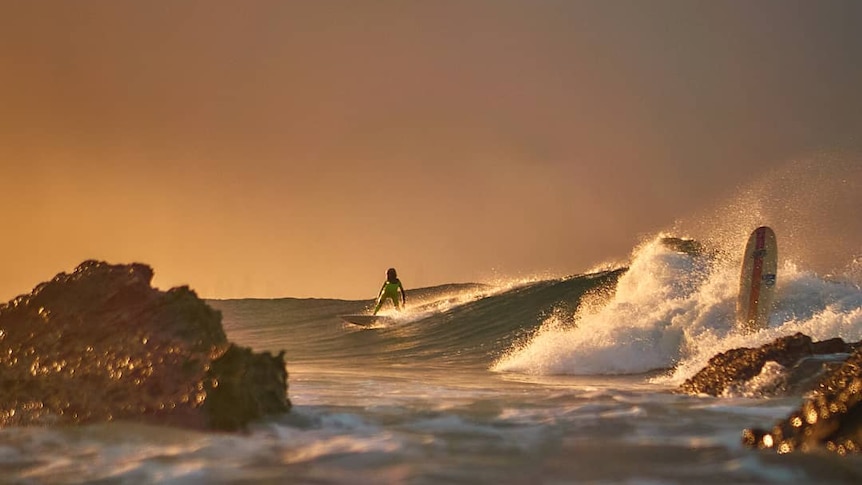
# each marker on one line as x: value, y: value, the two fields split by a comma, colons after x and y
x: 674, y: 310
x: 641, y: 328
x: 805, y: 302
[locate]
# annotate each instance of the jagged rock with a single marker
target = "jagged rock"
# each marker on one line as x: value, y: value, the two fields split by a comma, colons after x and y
x: 736, y: 367
x: 102, y: 344
x: 828, y: 373
x: 829, y: 417
x: 687, y: 246
x: 240, y: 383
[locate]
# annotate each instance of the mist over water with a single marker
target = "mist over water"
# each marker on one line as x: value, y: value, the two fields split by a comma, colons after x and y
x: 673, y: 311
x: 812, y: 203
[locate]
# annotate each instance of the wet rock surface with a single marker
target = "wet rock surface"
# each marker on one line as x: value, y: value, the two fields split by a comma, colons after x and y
x: 102, y: 344
x: 796, y: 353
x: 827, y: 375
x: 830, y: 416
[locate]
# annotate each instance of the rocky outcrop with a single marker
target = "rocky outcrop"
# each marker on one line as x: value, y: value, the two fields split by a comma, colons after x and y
x: 102, y: 344
x: 687, y: 246
x: 829, y: 376
x: 735, y: 368
x: 830, y: 416
x: 240, y: 384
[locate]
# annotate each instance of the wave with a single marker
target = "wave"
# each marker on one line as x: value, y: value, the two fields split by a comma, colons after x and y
x: 465, y: 324
x: 674, y: 310
x: 670, y: 310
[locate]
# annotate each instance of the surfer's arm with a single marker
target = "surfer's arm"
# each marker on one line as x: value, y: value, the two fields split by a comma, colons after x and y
x: 403, y: 293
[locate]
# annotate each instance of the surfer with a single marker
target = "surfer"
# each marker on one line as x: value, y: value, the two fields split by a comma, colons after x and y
x: 390, y: 290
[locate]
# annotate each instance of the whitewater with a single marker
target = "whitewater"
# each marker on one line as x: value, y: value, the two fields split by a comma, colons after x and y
x: 562, y: 380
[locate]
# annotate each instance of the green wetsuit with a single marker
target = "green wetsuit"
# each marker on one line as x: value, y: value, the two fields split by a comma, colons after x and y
x: 390, y: 291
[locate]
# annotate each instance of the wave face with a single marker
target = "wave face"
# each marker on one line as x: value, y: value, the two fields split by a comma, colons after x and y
x: 670, y: 310
x: 463, y: 324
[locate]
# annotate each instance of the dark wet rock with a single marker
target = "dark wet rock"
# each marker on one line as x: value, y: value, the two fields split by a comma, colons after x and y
x: 808, y: 372
x: 736, y: 368
x: 828, y: 374
x: 830, y: 416
x: 240, y: 384
x: 691, y: 247
x: 102, y: 344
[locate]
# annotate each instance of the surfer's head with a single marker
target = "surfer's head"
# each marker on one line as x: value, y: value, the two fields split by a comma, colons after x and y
x: 391, y: 275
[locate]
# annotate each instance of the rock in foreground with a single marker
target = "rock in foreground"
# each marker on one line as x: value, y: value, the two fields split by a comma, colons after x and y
x: 102, y: 344
x: 830, y: 415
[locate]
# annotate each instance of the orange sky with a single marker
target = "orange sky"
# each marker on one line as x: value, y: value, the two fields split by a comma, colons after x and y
x: 281, y: 148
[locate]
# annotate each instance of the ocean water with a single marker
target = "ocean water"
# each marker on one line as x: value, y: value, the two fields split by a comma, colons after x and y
x: 540, y: 381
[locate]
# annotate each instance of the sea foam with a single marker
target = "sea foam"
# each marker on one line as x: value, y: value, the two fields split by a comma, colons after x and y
x: 674, y: 311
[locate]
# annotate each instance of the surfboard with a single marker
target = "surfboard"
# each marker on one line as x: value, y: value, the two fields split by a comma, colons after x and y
x: 366, y: 320
x: 757, y: 280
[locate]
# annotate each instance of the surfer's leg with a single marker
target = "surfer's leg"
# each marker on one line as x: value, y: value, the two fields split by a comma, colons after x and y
x: 394, y: 301
x: 377, y: 306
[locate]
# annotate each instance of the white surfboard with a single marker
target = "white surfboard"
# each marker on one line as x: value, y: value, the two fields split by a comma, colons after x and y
x: 366, y: 320
x: 757, y: 280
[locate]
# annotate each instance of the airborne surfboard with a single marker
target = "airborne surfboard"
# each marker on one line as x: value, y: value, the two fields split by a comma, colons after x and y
x: 366, y: 320
x: 757, y: 280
